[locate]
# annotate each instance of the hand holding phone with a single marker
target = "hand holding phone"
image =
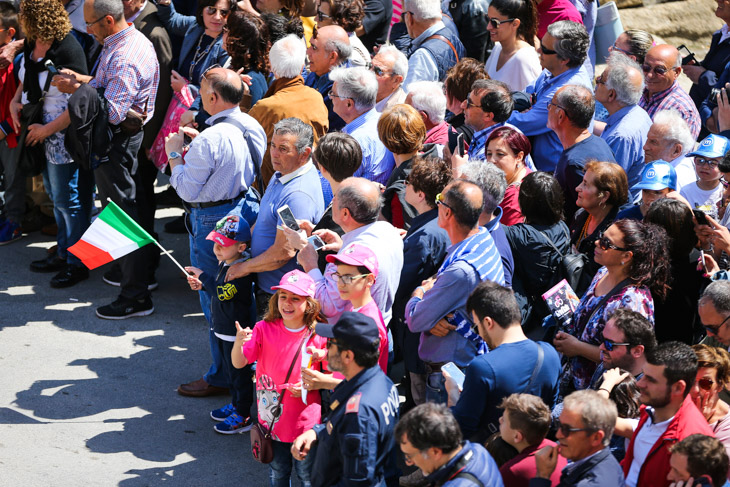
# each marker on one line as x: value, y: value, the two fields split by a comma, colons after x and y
x: 460, y: 145
x: 455, y: 373
x: 316, y: 242
x: 51, y: 68
x: 287, y: 217
x: 701, y: 217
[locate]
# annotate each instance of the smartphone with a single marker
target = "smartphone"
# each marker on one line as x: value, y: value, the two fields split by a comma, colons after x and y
x: 456, y: 373
x: 460, y: 144
x: 687, y: 56
x: 187, y: 140
x: 51, y: 68
x: 287, y: 217
x: 316, y: 242
x: 702, y: 261
x: 700, y: 217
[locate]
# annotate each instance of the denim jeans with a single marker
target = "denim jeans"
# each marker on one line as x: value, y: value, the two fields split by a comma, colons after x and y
x: 436, y: 388
x: 280, y: 467
x: 202, y: 221
x: 62, y: 184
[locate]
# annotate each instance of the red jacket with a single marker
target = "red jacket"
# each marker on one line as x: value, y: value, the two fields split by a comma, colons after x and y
x: 8, y: 86
x: 687, y: 421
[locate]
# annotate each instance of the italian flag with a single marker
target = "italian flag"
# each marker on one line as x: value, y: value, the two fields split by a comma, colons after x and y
x: 112, y: 235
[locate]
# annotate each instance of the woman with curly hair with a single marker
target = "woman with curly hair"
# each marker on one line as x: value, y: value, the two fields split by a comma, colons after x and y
x: 49, y: 41
x: 348, y: 14
x: 512, y: 25
x: 246, y: 38
x: 635, y: 260
x: 713, y: 377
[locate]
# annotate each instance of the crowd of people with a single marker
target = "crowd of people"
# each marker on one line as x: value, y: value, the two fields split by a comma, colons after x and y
x: 370, y: 183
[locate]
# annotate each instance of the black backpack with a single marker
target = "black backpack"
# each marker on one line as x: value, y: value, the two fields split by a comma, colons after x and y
x: 572, y: 268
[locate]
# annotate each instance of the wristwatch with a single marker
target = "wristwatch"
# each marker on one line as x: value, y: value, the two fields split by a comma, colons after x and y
x: 174, y: 155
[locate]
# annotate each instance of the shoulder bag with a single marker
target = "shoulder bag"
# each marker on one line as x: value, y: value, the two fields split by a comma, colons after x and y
x: 262, y: 447
x: 572, y: 268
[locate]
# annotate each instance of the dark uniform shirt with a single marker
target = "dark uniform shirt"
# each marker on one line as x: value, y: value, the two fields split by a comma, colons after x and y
x: 355, y: 441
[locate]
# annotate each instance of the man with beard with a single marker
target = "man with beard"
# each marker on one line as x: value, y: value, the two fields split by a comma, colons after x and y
x: 668, y: 414
x: 354, y: 443
x: 515, y: 364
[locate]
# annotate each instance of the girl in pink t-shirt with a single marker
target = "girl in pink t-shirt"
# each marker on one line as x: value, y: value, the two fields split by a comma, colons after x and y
x: 287, y: 328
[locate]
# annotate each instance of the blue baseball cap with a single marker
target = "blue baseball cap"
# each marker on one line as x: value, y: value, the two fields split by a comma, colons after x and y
x: 230, y: 230
x: 359, y: 331
x: 712, y: 146
x: 657, y: 175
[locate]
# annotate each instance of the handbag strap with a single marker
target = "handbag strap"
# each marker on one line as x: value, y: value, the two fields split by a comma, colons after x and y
x: 536, y: 370
x: 288, y: 374
x: 618, y: 287
x: 552, y: 244
x: 255, y: 156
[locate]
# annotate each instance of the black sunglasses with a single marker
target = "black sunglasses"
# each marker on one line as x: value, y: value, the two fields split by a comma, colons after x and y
x: 567, y: 430
x: 705, y: 383
x: 546, y: 51
x: 606, y: 244
x: 610, y: 344
x: 658, y: 70
x: 495, y: 23
x: 715, y: 328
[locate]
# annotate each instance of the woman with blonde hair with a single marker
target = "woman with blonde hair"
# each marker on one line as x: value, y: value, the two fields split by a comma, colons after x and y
x: 49, y: 43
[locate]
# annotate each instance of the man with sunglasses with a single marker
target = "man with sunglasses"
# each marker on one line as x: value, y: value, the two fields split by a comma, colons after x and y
x: 668, y: 414
x: 714, y: 311
x: 662, y: 66
x: 390, y: 67
x: 584, y: 429
x: 562, y: 51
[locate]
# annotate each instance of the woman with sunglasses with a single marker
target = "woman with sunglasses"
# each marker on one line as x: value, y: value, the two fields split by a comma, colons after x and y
x: 633, y: 43
x: 635, y: 264
x: 713, y: 376
x: 512, y: 25
x: 602, y: 192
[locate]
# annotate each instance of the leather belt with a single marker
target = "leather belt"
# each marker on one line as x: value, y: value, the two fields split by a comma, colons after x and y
x: 434, y: 367
x: 211, y: 204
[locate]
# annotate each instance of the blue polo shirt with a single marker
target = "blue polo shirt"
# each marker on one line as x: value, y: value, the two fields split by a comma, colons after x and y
x: 625, y: 134
x: 301, y: 190
x: 377, y: 161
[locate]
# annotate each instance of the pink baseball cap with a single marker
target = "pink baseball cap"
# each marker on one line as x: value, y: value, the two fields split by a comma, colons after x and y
x: 297, y: 282
x: 356, y: 255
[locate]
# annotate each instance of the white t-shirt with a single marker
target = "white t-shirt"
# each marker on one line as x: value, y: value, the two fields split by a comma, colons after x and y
x: 685, y: 171
x: 519, y: 71
x: 646, y: 437
x: 700, y: 199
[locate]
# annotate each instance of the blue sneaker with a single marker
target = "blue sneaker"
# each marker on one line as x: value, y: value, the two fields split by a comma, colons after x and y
x: 233, y: 424
x: 222, y: 413
x: 9, y: 232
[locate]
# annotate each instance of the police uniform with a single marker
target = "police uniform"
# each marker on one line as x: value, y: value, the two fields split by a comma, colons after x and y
x: 354, y: 443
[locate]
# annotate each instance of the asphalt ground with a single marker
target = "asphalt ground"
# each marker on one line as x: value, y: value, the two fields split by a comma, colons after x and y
x: 86, y: 401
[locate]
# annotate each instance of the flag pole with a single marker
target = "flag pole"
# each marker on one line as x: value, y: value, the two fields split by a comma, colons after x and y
x: 164, y: 250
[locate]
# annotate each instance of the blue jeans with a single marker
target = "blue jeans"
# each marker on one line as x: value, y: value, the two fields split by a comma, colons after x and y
x: 202, y: 221
x: 436, y: 388
x: 280, y: 467
x: 62, y: 185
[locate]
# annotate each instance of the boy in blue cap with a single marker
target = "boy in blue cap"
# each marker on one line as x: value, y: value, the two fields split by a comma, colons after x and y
x: 707, y: 191
x: 658, y: 179
x: 232, y: 301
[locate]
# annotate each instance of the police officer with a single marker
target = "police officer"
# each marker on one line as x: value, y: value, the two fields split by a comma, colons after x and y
x: 354, y: 444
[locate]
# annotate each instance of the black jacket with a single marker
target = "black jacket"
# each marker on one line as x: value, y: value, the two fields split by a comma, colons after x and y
x: 88, y: 138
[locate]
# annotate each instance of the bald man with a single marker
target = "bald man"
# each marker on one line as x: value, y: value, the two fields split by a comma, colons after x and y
x: 216, y: 172
x: 471, y: 259
x: 662, y: 66
x: 355, y: 208
x: 619, y: 89
x: 329, y: 49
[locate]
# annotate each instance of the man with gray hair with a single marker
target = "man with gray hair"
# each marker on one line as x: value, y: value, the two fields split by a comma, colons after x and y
x: 288, y: 96
x: 390, y: 67
x: 329, y: 48
x: 585, y: 428
x: 670, y: 139
x: 296, y: 185
x: 353, y: 98
x: 714, y: 311
x: 569, y: 115
x: 619, y: 89
x: 562, y: 52
x: 429, y: 99
x: 493, y: 184
x: 434, y: 47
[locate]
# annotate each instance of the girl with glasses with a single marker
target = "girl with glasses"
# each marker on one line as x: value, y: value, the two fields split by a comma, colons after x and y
x: 713, y: 376
x: 512, y: 25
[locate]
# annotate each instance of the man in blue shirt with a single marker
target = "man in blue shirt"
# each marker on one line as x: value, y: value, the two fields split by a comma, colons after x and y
x: 619, y: 89
x: 353, y: 98
x: 562, y: 52
x: 296, y: 184
x: 486, y: 108
x: 471, y: 259
x: 515, y: 364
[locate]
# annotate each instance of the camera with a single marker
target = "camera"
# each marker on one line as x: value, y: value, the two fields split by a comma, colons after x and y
x: 712, y: 98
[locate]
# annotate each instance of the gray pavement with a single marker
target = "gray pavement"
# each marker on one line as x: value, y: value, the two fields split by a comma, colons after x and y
x: 86, y: 401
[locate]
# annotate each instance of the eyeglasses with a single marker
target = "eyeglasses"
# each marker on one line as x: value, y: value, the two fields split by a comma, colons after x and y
x: 212, y: 11
x: 207, y: 70
x: 346, y: 279
x: 470, y: 103
x: 378, y: 70
x: 606, y: 244
x: 567, y: 430
x: 440, y: 200
x: 616, y: 48
x: 658, y: 70
x: 330, y: 342
x: 715, y: 328
x: 89, y: 24
x: 546, y: 51
x: 600, y: 80
x: 610, y: 344
x: 495, y: 23
x: 332, y: 94
x: 555, y: 105
x: 703, y: 161
x: 321, y: 15
x: 705, y: 384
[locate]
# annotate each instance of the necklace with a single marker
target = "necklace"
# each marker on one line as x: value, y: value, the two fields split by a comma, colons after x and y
x: 584, y: 230
x: 198, y: 56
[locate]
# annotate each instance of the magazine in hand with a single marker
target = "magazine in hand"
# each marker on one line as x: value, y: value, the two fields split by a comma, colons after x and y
x: 562, y: 302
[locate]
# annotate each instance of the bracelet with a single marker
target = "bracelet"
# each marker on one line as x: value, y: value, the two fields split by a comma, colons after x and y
x: 423, y: 291
x: 604, y: 389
